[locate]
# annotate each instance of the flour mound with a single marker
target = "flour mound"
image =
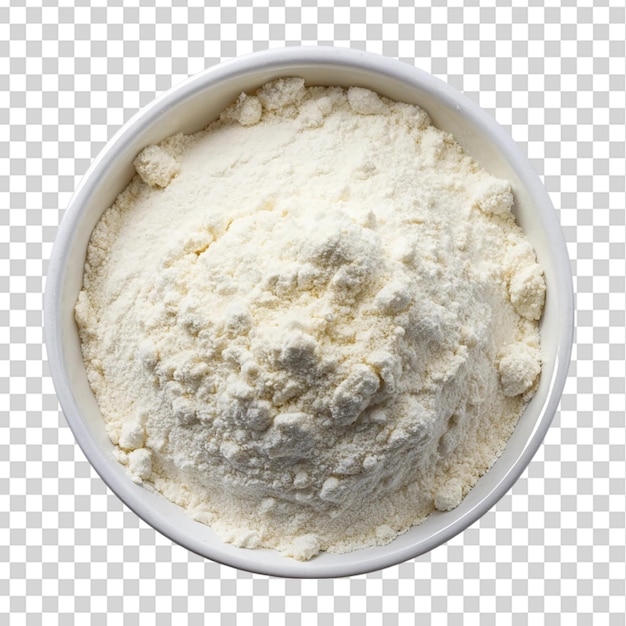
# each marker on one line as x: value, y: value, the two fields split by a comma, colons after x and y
x: 313, y: 323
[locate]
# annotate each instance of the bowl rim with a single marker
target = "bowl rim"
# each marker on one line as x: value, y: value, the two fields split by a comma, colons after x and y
x: 280, y: 58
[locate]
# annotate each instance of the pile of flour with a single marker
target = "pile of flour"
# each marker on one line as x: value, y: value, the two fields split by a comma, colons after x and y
x: 312, y: 323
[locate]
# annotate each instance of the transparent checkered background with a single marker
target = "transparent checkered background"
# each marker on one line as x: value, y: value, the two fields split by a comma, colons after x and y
x: 553, y: 550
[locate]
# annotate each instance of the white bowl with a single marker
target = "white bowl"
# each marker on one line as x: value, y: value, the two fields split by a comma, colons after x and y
x: 190, y: 106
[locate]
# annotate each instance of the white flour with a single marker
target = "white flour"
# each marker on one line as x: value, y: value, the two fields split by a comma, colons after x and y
x: 312, y: 323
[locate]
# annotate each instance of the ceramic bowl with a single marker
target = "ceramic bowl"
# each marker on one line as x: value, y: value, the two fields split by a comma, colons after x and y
x: 189, y: 107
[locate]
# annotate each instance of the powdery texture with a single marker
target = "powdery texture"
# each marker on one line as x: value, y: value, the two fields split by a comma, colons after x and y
x: 320, y: 328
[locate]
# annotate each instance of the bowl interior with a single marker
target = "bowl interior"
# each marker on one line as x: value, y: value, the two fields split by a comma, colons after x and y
x: 190, y: 107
